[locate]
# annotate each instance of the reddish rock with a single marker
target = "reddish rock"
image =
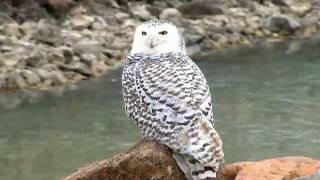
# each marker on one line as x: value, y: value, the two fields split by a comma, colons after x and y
x: 283, y: 168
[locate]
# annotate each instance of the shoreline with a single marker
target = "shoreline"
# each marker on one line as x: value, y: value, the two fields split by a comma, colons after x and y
x: 92, y: 37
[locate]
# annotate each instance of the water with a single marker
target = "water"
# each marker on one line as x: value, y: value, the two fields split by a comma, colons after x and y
x: 266, y: 102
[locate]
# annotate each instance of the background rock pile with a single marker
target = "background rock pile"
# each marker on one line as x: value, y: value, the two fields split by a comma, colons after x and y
x: 45, y: 43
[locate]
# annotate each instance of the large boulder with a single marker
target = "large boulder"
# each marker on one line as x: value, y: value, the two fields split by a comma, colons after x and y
x: 149, y: 160
x: 144, y: 160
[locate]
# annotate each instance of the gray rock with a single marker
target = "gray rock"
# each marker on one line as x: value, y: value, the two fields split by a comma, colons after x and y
x: 164, y: 4
x: 282, y: 2
x: 67, y: 53
x: 12, y: 29
x: 194, y: 33
x: 198, y: 8
x: 237, y: 26
x: 170, y: 13
x: 110, y: 62
x: 15, y: 80
x: 4, y: 41
x: 283, y: 23
x: 34, y: 57
x: 99, y: 68
x: 71, y: 37
x: 98, y: 24
x: 109, y: 53
x: 82, y: 21
x: 88, y: 59
x: 246, y: 4
x: 5, y: 48
x: 57, y: 77
x: 78, y: 10
x: 121, y: 17
x: 10, y: 59
x: 129, y: 23
x: 86, y: 46
x: 79, y: 68
x: 154, y: 10
x: 43, y: 74
x: 30, y: 77
x: 55, y: 57
x: 310, y: 21
x: 28, y: 28
x: 141, y: 12
x: 47, y: 33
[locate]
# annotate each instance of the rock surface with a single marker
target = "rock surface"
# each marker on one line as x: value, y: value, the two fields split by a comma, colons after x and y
x: 283, y: 168
x: 144, y: 160
x: 148, y: 160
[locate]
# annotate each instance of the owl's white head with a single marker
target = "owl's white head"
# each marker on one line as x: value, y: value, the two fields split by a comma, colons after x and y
x: 156, y: 37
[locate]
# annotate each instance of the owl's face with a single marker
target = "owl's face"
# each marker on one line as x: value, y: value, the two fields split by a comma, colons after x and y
x: 157, y: 36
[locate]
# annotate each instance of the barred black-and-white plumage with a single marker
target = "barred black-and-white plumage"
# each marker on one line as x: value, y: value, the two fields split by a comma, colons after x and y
x: 167, y: 96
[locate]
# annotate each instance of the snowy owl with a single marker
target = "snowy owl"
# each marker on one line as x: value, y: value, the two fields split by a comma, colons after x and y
x: 167, y: 96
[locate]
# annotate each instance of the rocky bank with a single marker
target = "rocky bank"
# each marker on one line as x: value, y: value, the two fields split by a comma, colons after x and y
x: 148, y: 160
x: 45, y: 43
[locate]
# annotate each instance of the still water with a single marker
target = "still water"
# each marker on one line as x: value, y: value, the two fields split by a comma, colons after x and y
x: 266, y: 102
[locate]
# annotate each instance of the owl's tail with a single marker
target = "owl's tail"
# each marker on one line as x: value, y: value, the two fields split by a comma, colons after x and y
x: 192, y: 169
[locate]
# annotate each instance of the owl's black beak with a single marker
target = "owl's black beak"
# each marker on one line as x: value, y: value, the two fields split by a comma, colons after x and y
x: 153, y: 42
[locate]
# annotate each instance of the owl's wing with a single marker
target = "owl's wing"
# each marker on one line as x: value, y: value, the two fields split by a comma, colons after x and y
x: 176, y: 92
x: 173, y: 85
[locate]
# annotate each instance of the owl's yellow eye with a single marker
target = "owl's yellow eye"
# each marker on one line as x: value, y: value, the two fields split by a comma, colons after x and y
x: 143, y: 33
x: 163, y: 32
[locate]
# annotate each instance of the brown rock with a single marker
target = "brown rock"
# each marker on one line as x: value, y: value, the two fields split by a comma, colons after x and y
x: 148, y: 160
x: 144, y: 160
x: 283, y: 168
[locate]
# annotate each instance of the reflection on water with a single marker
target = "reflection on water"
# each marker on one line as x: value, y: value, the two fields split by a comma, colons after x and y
x: 267, y: 104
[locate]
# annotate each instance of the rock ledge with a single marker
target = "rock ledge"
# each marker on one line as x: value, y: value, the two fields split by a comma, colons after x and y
x: 148, y: 160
